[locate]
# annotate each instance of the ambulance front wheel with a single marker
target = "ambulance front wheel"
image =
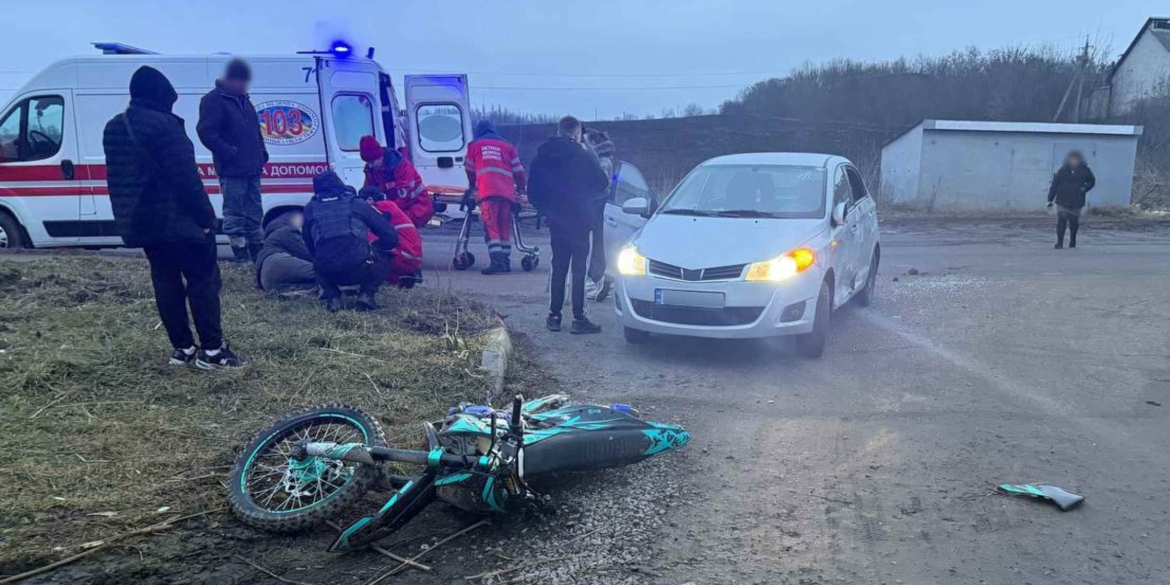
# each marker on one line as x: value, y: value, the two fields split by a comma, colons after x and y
x: 463, y: 261
x: 529, y: 263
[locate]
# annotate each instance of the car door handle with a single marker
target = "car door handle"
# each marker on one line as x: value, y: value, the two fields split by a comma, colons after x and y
x: 611, y: 221
x: 67, y: 170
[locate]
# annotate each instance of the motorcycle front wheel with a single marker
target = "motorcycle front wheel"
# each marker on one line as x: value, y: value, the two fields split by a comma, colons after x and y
x: 271, y: 490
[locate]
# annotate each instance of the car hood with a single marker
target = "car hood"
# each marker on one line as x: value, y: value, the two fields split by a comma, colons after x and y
x: 705, y: 242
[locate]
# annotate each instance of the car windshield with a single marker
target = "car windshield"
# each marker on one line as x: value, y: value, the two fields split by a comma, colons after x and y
x: 773, y: 191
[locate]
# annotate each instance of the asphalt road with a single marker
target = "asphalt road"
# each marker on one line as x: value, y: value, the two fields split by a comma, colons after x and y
x: 1003, y: 360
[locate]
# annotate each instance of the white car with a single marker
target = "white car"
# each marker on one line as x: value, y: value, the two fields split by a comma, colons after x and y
x: 747, y: 245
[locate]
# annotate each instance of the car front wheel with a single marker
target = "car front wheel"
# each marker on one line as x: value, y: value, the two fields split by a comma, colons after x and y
x: 812, y: 345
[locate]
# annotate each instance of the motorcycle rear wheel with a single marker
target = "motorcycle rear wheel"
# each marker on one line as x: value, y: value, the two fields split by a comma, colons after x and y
x: 271, y: 491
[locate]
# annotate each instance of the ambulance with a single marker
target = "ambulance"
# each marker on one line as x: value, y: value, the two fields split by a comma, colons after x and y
x: 313, y: 109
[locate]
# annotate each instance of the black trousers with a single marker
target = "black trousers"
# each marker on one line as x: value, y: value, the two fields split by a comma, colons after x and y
x: 369, y: 275
x: 1072, y: 221
x: 597, y: 250
x: 570, y: 249
x: 185, y: 273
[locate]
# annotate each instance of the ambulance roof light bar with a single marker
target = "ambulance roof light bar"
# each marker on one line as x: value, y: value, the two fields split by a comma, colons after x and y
x: 120, y: 49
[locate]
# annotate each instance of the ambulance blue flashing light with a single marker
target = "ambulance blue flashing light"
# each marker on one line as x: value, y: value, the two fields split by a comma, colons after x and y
x: 341, y: 49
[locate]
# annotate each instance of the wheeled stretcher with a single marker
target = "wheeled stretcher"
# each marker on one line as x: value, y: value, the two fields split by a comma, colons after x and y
x: 463, y: 259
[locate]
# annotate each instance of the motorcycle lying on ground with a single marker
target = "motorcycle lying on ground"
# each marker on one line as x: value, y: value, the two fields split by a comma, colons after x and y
x: 316, y: 463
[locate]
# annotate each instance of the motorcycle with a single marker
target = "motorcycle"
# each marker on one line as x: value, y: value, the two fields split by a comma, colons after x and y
x: 315, y: 463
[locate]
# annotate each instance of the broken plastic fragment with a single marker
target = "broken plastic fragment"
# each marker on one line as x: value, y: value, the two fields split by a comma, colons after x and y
x: 1066, y: 500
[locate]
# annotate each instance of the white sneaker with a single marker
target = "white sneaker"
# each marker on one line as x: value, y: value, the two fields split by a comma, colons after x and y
x: 591, y: 289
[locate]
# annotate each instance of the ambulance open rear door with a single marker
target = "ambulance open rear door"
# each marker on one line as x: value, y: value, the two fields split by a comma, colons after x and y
x: 349, y: 103
x: 438, y: 115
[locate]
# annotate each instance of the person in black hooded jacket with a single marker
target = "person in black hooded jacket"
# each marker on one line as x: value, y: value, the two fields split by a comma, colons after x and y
x: 1070, y: 184
x: 159, y: 204
x: 564, y: 185
x: 337, y: 224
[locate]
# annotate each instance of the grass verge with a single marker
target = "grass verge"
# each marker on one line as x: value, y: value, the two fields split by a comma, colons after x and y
x: 97, y: 432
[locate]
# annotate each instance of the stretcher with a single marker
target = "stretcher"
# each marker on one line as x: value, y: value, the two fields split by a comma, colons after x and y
x: 464, y: 259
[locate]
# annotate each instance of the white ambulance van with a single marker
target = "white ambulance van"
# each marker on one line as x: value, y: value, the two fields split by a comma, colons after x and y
x: 313, y: 109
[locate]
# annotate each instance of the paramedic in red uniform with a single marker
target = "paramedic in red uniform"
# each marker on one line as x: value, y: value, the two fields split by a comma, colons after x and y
x: 494, y: 170
x: 393, y: 174
x: 406, y: 258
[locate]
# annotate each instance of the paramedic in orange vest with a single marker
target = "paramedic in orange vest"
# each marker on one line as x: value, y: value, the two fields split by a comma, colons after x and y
x: 393, y: 174
x: 406, y: 258
x: 495, y: 173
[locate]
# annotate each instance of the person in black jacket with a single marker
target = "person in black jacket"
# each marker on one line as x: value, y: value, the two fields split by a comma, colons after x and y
x: 159, y: 204
x: 285, y: 262
x: 229, y: 127
x: 564, y: 184
x: 337, y: 224
x: 1069, y: 186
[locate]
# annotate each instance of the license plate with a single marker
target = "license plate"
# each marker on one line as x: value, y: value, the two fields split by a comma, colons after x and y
x: 689, y: 298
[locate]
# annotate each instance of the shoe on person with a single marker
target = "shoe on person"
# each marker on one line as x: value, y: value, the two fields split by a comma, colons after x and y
x: 495, y: 267
x: 553, y: 323
x: 591, y: 289
x: 367, y: 302
x: 584, y: 326
x: 184, y: 357
x: 240, y: 254
x: 333, y: 305
x: 604, y: 290
x: 1059, y: 246
x: 218, y: 359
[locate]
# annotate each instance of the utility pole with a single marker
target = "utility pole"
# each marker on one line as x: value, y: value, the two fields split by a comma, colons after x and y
x: 1078, y: 80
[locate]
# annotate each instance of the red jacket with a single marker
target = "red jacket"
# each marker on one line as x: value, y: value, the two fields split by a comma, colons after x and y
x: 409, y: 241
x: 496, y: 167
x: 402, y: 184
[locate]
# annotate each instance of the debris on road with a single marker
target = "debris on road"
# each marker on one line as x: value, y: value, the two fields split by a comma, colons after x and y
x: 1066, y: 500
x: 1153, y: 403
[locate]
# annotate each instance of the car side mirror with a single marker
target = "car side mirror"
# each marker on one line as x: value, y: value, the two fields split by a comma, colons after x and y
x: 839, y: 215
x: 636, y: 206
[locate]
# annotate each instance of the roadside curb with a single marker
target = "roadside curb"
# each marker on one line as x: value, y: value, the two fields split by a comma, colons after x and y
x: 496, y: 353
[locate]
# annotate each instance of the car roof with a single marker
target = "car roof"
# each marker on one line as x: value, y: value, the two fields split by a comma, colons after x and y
x: 804, y: 159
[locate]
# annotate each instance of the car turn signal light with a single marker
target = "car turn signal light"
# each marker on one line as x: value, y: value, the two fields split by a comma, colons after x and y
x: 782, y: 268
x: 631, y: 263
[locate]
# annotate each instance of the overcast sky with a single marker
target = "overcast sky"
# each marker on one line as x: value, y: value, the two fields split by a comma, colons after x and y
x: 593, y: 59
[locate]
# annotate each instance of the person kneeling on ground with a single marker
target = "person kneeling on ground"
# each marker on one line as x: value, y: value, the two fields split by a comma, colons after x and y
x: 393, y: 174
x: 336, y: 226
x: 284, y: 261
x: 406, y: 262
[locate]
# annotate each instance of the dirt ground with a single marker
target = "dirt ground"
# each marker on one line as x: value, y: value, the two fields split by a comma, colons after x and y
x: 1001, y: 360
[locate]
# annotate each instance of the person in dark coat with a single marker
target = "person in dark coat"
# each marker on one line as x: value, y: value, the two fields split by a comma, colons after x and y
x: 229, y: 127
x: 564, y: 181
x: 1069, y: 186
x: 284, y: 261
x: 337, y: 226
x: 159, y: 204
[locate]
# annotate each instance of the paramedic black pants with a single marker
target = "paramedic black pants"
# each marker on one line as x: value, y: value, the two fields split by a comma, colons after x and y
x: 185, y: 273
x: 570, y: 249
x: 369, y: 275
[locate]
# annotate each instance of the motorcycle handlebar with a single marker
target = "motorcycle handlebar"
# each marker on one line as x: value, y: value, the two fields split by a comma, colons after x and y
x: 517, y: 422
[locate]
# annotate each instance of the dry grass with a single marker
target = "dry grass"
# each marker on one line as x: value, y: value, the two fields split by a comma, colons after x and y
x: 95, y: 421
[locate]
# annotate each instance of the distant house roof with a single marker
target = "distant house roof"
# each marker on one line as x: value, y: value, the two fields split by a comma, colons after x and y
x: 1159, y: 27
x: 1033, y: 127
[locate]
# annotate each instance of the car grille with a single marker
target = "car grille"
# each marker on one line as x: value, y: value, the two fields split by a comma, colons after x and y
x: 725, y: 317
x: 679, y: 273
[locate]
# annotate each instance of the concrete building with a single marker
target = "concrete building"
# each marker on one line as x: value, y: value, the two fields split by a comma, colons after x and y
x: 1142, y: 72
x: 952, y: 165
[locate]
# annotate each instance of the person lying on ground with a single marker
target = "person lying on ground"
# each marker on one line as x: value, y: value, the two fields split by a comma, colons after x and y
x: 284, y: 261
x: 337, y: 225
x: 406, y: 262
x: 393, y: 174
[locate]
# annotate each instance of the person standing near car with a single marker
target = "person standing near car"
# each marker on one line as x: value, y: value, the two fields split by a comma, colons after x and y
x: 1070, y: 184
x: 159, y: 204
x: 495, y: 173
x: 229, y: 127
x: 597, y: 285
x: 565, y: 179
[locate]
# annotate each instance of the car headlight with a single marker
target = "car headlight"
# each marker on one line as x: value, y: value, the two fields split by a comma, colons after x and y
x: 630, y: 262
x: 782, y: 268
